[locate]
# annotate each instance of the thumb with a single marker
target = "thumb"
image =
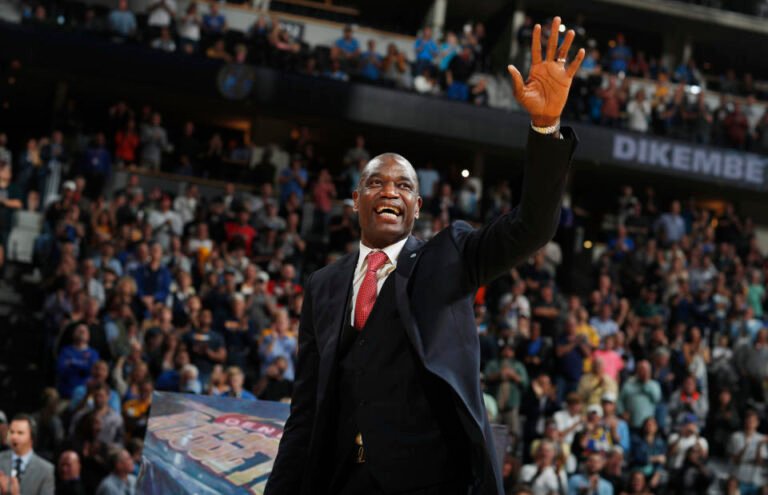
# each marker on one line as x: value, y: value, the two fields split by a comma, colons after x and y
x: 517, y: 80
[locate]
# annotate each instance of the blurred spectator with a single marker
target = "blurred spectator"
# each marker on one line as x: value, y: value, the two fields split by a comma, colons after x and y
x: 355, y: 155
x: 235, y: 380
x: 293, y: 180
x: 68, y: 480
x: 10, y: 200
x: 736, y: 127
x: 639, y: 396
x: 612, y: 100
x: 50, y: 428
x: 748, y: 450
x: 153, y: 279
x: 154, y: 142
x: 683, y: 440
x: 346, y: 50
x: 544, y: 476
x: 596, y: 384
x: 165, y: 41
x: 371, y: 62
x: 122, y: 21
x: 82, y: 395
x: 509, y: 380
x: 189, y: 29
x: 571, y: 350
x: 111, y: 422
x: 426, y: 51
x: 590, y: 481
x: 448, y: 49
x: 639, y: 112
x: 214, y: 23
x: 75, y: 362
x: 206, y: 347
x: 121, y: 481
x: 648, y: 452
x: 693, y: 476
x: 671, y: 225
x: 620, y: 55
x: 395, y: 67
x: 161, y: 15
x: 457, y: 75
x: 126, y: 143
x: 277, y: 387
x: 279, y: 341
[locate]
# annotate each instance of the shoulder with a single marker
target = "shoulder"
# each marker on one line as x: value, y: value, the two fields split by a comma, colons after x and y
x: 323, y: 273
x: 42, y: 463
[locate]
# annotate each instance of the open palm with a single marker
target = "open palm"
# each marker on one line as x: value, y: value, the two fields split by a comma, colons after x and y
x: 544, y: 94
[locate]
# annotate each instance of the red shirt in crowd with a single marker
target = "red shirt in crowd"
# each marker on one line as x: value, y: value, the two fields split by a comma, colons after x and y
x: 126, y: 143
x: 248, y: 233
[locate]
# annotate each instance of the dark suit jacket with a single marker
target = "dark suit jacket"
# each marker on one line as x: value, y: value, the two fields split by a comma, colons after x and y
x: 435, y: 284
x: 37, y: 479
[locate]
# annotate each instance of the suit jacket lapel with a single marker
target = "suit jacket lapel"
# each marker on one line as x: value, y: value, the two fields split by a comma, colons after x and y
x: 406, y: 262
x: 338, y: 301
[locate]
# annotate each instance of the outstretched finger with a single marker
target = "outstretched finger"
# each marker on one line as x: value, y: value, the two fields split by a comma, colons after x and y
x: 554, y: 34
x: 562, y: 54
x: 576, y: 63
x: 517, y: 80
x: 536, y: 45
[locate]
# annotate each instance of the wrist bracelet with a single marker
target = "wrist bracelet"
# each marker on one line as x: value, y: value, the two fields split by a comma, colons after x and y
x: 547, y: 130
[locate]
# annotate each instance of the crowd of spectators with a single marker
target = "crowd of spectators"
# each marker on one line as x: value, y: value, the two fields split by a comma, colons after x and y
x: 651, y: 382
x: 627, y: 88
x: 671, y: 101
x: 655, y: 381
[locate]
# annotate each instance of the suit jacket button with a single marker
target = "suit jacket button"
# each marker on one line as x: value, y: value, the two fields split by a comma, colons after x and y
x: 362, y: 341
x: 363, y: 402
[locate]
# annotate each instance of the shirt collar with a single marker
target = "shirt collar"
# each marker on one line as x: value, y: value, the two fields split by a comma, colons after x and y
x: 24, y: 460
x: 392, y: 251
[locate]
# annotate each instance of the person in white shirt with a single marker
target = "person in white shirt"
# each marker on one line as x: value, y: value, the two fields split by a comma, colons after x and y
x: 748, y: 452
x: 639, y: 112
x: 161, y: 13
x: 165, y: 223
x: 544, y: 477
x: 679, y: 443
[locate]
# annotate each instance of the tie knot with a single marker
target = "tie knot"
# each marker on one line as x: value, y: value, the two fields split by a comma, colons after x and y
x: 376, y: 259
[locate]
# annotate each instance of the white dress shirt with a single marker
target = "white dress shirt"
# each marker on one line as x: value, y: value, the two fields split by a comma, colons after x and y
x: 392, y: 251
x: 24, y: 462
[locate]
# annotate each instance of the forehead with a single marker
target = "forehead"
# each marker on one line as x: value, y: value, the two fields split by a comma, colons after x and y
x: 18, y: 424
x: 389, y: 167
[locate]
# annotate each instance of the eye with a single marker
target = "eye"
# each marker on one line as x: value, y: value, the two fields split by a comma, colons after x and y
x: 406, y: 185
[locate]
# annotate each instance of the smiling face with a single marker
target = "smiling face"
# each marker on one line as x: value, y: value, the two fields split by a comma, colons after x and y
x: 387, y: 200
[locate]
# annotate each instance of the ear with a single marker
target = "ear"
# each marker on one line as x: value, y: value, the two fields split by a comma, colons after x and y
x: 418, y: 206
x: 356, y: 199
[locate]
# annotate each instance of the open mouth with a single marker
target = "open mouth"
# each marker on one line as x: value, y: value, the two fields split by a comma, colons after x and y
x: 388, y: 212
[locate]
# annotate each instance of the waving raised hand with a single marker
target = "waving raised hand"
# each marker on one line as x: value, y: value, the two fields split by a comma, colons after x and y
x: 544, y: 94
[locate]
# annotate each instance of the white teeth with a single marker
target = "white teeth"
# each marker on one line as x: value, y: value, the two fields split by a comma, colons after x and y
x: 388, y: 209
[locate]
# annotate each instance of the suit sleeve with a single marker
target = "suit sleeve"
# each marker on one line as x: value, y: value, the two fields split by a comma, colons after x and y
x: 293, y: 452
x: 511, y: 238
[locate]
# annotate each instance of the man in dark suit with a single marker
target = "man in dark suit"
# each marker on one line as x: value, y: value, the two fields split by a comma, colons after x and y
x: 21, y: 470
x: 387, y: 394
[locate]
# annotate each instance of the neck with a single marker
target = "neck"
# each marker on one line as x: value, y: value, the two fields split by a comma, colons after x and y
x: 22, y: 451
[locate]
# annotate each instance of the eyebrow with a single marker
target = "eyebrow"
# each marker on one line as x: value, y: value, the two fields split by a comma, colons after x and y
x: 377, y: 174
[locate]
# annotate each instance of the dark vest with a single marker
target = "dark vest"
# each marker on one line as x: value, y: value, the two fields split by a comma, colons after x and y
x: 406, y: 415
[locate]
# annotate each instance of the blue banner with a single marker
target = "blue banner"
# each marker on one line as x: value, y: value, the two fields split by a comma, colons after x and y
x: 209, y: 445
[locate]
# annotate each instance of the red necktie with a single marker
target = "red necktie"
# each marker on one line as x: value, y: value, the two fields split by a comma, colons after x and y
x: 366, y: 295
